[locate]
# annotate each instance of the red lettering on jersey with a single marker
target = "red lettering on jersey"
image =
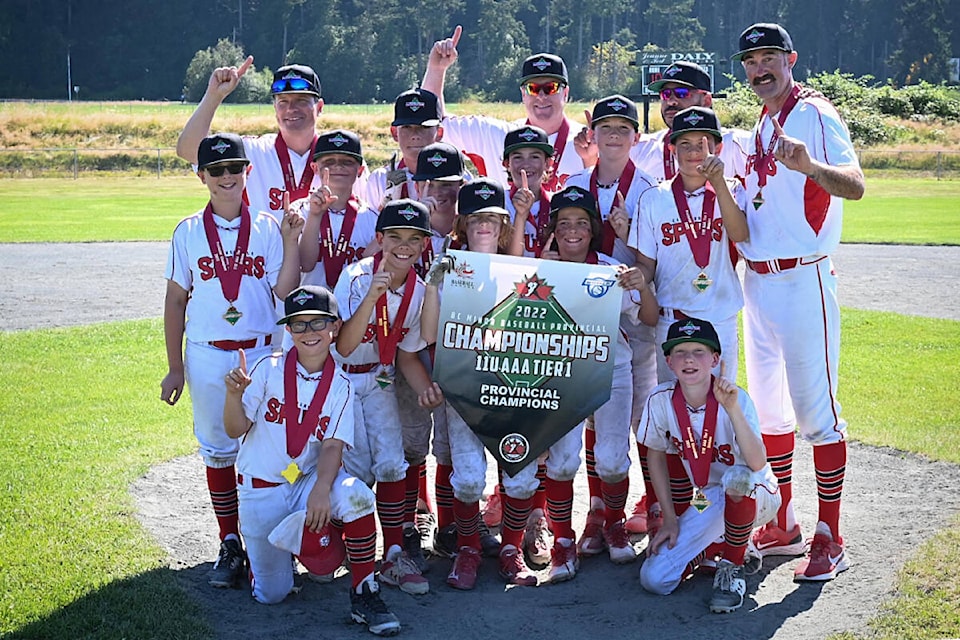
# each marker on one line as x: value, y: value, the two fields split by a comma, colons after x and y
x: 274, y: 411
x: 205, y: 266
x: 252, y: 266
x: 530, y: 243
x: 723, y: 454
x: 275, y: 199
x: 717, y: 229
x: 672, y: 233
x: 322, y: 427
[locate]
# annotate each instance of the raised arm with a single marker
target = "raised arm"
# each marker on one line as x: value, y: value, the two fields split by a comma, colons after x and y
x: 442, y: 56
x: 222, y: 82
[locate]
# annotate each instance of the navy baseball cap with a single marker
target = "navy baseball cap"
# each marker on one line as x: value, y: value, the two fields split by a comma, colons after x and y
x: 763, y: 35
x: 481, y: 196
x: 309, y: 300
x: 439, y: 161
x: 615, y: 106
x: 221, y: 148
x: 691, y: 330
x: 696, y: 119
x: 687, y: 74
x: 405, y: 214
x: 544, y: 65
x: 417, y: 106
x: 574, y: 197
x: 295, y: 78
x: 338, y: 141
x: 527, y: 136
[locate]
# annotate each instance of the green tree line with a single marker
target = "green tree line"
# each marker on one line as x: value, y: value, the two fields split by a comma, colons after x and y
x: 370, y: 51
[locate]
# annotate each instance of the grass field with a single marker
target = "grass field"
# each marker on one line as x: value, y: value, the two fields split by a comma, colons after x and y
x: 74, y: 562
x: 894, y: 210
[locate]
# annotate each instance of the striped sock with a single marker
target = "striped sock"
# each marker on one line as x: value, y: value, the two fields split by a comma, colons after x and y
x: 780, y: 457
x: 444, y: 493
x: 222, y: 484
x: 467, y: 516
x: 615, y: 499
x: 593, y: 480
x: 830, y: 462
x: 515, y: 514
x: 411, y: 492
x: 360, y: 539
x: 560, y: 507
x: 738, y: 517
x: 390, y: 502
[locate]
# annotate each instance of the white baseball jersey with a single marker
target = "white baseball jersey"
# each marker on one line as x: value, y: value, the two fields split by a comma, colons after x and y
x: 263, y: 452
x: 659, y: 431
x: 648, y: 153
x: 482, y: 137
x: 658, y: 233
x: 265, y: 184
x: 351, y: 288
x: 798, y: 218
x: 606, y: 197
x: 364, y: 232
x: 190, y: 265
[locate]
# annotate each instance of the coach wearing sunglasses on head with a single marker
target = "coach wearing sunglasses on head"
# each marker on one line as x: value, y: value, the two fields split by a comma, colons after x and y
x: 281, y: 161
x: 544, y: 90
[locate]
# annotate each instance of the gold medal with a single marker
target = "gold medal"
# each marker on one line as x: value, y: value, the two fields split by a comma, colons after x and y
x: 232, y: 315
x: 758, y: 199
x: 701, y: 282
x: 384, y: 379
x: 292, y: 472
x: 700, y: 501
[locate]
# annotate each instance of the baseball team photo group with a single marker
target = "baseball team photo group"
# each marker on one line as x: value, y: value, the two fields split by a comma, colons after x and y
x: 554, y: 375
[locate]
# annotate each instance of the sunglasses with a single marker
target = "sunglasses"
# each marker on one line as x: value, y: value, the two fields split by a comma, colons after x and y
x: 232, y: 169
x: 543, y: 88
x: 682, y: 93
x: 301, y: 326
x: 291, y: 84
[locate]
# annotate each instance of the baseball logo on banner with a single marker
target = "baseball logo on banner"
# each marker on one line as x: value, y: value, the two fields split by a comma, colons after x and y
x: 525, y: 348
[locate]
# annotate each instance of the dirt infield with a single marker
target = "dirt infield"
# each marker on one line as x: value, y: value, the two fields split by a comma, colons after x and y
x: 103, y: 282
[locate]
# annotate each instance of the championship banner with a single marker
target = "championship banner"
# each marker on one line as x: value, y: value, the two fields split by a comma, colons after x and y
x: 525, y: 348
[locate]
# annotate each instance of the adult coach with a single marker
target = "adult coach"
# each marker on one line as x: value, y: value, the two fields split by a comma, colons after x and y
x: 281, y: 161
x: 544, y: 89
x: 800, y: 169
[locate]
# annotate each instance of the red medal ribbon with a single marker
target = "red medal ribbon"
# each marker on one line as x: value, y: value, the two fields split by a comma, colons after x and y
x: 229, y: 271
x: 389, y: 337
x: 669, y: 164
x: 592, y: 258
x: 623, y: 186
x: 296, y: 191
x: 701, y: 458
x: 543, y: 213
x: 552, y: 183
x: 299, y: 432
x: 334, y: 254
x: 764, y: 162
x: 698, y: 233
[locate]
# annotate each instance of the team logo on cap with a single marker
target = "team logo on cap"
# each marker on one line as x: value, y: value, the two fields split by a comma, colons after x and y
x: 415, y: 105
x: 221, y: 147
x: 753, y: 36
x: 339, y: 140
x: 672, y: 71
x: 437, y: 159
x: 408, y: 213
x: 598, y: 287
x: 574, y: 195
x: 302, y: 297
x: 689, y: 328
x: 291, y: 75
x: 693, y: 119
x: 485, y: 192
x: 514, y: 447
x: 541, y: 64
x: 617, y: 105
x: 527, y: 135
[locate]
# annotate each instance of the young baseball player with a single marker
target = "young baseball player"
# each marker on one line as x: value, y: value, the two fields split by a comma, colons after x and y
x: 339, y: 228
x: 281, y: 161
x: 224, y: 268
x: 416, y: 123
x: 482, y: 225
x: 680, y: 235
x: 528, y: 159
x: 616, y: 183
x: 295, y: 414
x: 713, y: 425
x: 381, y: 297
x: 544, y: 92
x: 576, y: 228
x: 802, y: 167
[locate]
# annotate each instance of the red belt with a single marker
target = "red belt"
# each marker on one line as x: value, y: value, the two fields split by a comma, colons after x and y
x: 234, y: 345
x: 772, y: 266
x: 257, y: 483
x: 677, y: 315
x: 360, y: 368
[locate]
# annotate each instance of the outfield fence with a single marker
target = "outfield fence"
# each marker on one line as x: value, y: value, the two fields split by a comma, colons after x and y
x: 161, y: 162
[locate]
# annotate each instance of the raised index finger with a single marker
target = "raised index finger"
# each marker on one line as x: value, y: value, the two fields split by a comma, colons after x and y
x: 523, y: 179
x: 620, y: 201
x: 243, y: 67
x: 456, y: 35
x: 589, y: 118
x: 723, y: 368
x: 704, y: 145
x: 243, y: 361
x: 776, y: 126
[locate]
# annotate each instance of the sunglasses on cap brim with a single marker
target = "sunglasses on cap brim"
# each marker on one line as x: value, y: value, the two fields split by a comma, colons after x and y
x: 233, y: 169
x: 291, y: 84
x: 545, y: 88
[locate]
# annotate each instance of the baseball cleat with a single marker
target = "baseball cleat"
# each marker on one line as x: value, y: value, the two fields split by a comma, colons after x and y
x: 463, y: 573
x: 489, y: 543
x: 230, y: 567
x: 827, y: 558
x: 445, y: 542
x: 618, y: 544
x: 412, y: 547
x: 591, y: 542
x: 771, y: 540
x: 402, y: 573
x: 514, y: 570
x: 637, y: 522
x: 493, y: 509
x: 368, y: 608
x: 729, y: 586
x: 564, y: 560
x: 537, y: 540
